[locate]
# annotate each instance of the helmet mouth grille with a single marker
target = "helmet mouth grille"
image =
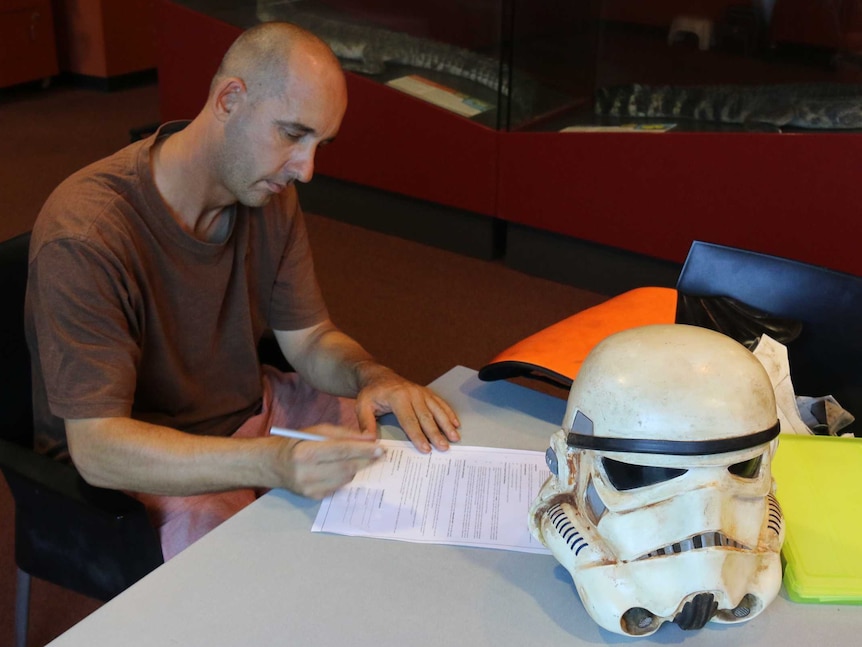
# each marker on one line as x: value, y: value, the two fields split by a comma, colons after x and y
x: 712, y: 539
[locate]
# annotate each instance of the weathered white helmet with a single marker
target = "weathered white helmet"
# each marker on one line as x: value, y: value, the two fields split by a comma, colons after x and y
x: 661, y: 501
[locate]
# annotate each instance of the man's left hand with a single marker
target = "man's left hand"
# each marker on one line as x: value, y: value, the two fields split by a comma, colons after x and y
x: 426, y: 418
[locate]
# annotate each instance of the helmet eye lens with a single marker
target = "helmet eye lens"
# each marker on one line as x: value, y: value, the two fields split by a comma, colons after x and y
x: 628, y: 476
x: 747, y: 469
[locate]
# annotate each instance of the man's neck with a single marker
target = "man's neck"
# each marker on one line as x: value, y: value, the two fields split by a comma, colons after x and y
x: 182, y: 177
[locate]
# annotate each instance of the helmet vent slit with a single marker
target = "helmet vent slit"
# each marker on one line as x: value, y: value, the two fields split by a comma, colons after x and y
x: 696, y: 542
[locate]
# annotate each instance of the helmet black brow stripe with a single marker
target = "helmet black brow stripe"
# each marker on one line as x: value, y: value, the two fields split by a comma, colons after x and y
x: 672, y: 447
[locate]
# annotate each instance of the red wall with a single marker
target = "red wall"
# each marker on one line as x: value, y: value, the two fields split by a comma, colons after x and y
x: 190, y: 46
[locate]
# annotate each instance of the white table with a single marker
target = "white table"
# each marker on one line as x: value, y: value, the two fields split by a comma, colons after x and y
x: 263, y: 578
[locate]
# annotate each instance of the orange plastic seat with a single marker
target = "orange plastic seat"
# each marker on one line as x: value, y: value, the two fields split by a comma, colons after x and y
x: 555, y: 353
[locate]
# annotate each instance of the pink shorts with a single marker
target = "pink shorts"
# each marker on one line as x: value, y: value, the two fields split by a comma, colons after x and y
x: 288, y: 401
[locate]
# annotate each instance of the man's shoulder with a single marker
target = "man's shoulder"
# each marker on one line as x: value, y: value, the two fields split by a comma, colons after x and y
x: 92, y: 197
x: 106, y: 177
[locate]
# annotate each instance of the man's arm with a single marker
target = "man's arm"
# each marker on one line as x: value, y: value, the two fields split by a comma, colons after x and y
x: 127, y: 454
x: 335, y: 363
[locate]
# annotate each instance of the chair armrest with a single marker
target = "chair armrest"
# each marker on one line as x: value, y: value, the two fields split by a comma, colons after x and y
x: 95, y: 541
x: 24, y: 465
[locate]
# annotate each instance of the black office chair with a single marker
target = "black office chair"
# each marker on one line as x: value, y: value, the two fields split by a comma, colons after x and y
x: 93, y: 541
x: 826, y: 356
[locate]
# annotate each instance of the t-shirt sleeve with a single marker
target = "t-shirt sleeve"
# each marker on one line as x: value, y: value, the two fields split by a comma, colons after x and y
x: 296, y: 301
x: 83, y: 323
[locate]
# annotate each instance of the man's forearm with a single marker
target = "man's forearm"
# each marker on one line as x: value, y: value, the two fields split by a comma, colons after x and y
x: 329, y: 360
x: 122, y: 453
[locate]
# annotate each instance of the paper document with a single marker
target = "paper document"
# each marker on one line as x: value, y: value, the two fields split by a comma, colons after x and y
x: 624, y: 128
x: 440, y: 95
x: 773, y: 355
x: 467, y: 496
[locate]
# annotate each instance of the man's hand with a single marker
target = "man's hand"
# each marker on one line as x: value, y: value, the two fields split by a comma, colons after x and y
x: 333, y: 362
x: 318, y: 468
x: 423, y: 414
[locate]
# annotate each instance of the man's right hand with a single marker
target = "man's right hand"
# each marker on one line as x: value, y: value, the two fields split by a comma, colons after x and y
x: 316, y: 469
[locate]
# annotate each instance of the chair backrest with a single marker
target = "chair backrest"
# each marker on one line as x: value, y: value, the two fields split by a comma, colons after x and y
x: 826, y: 359
x: 91, y: 540
x: 16, y: 405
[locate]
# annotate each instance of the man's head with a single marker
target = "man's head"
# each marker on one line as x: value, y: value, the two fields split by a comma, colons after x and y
x: 278, y: 95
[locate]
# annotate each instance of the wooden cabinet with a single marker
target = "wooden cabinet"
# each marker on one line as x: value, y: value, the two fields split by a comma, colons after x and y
x: 27, y: 48
x: 105, y: 39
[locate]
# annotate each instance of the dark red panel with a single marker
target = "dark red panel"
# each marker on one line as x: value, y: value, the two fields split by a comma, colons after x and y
x: 189, y: 46
x: 391, y: 141
x: 792, y: 195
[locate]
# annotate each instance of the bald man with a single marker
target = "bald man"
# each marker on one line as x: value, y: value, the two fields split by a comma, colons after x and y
x: 155, y: 272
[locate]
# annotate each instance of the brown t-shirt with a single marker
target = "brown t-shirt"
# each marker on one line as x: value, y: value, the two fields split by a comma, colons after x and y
x: 129, y: 315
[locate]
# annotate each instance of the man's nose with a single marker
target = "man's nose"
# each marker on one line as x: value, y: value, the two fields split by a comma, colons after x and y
x: 302, y: 167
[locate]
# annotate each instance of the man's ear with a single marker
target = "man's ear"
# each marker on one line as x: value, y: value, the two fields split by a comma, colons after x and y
x: 228, y: 94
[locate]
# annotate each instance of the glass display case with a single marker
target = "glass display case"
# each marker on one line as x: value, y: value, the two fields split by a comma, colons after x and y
x: 531, y: 115
x: 505, y: 64
x: 457, y: 55
x: 441, y: 52
x: 694, y: 65
x: 717, y: 65
x: 726, y: 65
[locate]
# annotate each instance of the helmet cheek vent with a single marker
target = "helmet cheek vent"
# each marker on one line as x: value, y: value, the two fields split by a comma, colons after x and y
x: 595, y: 507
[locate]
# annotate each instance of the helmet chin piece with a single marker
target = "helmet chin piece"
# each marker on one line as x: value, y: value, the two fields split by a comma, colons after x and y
x: 661, y: 499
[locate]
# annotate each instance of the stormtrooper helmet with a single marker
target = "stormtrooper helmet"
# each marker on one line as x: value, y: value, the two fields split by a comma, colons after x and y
x: 661, y: 501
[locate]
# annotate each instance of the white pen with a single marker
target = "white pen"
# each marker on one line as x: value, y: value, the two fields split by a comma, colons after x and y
x: 293, y: 433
